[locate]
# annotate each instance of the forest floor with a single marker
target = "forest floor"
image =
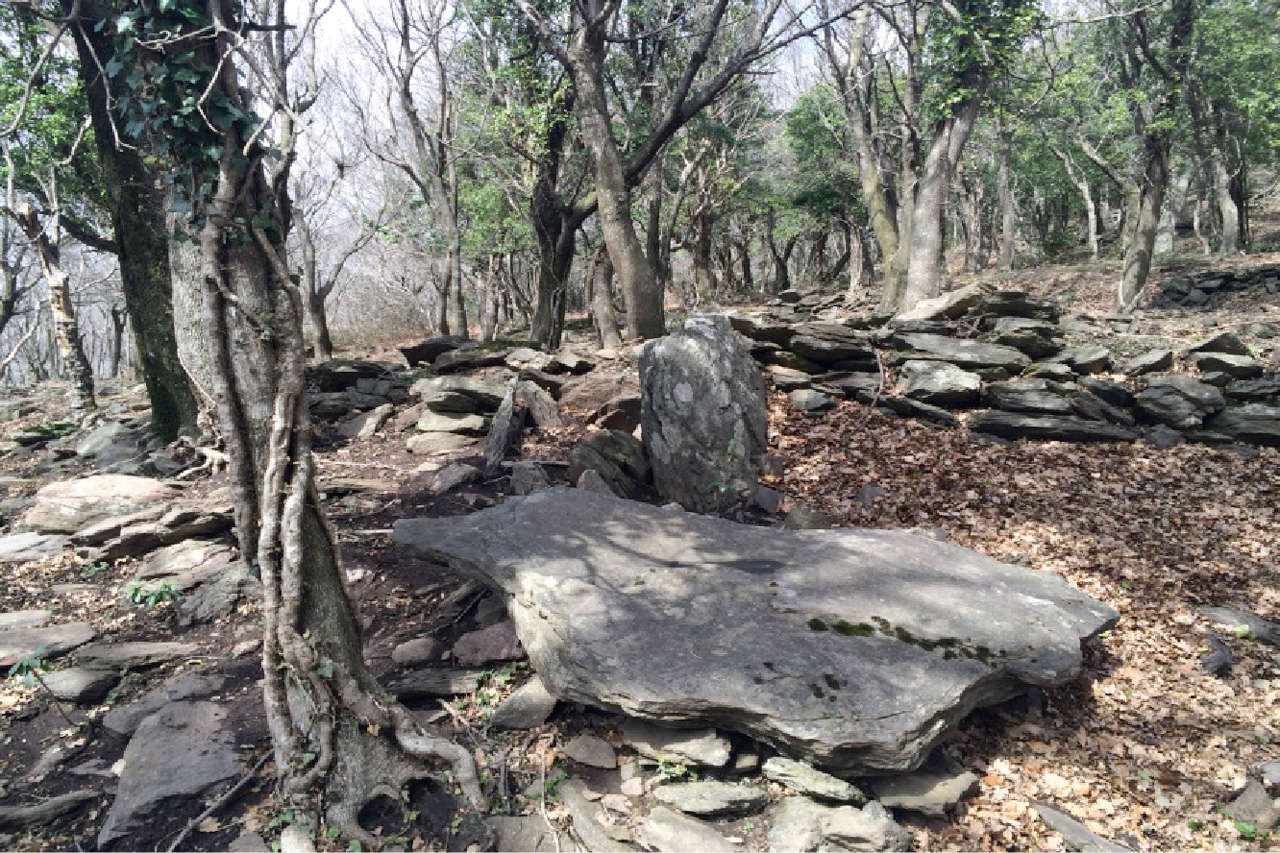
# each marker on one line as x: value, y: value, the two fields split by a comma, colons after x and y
x: 1145, y: 747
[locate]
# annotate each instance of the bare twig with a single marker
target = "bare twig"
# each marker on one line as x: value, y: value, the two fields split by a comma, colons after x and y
x: 221, y: 801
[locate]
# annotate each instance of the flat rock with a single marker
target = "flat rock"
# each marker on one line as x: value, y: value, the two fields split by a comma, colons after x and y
x: 938, y: 383
x: 1027, y: 395
x: 1234, y: 366
x: 703, y: 747
x: 712, y: 798
x: 488, y: 645
x: 963, y: 353
x: 935, y: 790
x: 439, y: 443
x: 366, y: 424
x: 806, y: 779
x: 1254, y: 390
x: 1253, y: 423
x: 1226, y: 342
x: 452, y: 422
x: 811, y: 401
x: 948, y: 306
x: 24, y: 619
x: 188, y: 563
x: 1179, y: 401
x: 1075, y: 835
x: 67, y: 506
x: 527, y: 834
x: 125, y: 719
x: 1036, y: 338
x: 452, y: 476
x: 591, y: 751
x: 1109, y: 391
x: 1047, y: 427
x: 800, y: 824
x: 1086, y: 359
x: 528, y: 706
x: 48, y: 641
x: 1017, y: 303
x: 418, y: 650
x: 462, y: 360
x: 181, y: 750
x: 430, y: 349
x: 853, y: 649
x: 1151, y: 361
x: 1254, y: 805
x: 664, y: 829
x: 484, y: 394
x: 30, y: 545
x: 83, y: 685
x: 135, y: 655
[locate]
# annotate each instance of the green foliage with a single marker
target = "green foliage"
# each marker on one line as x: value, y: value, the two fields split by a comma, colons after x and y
x: 151, y: 594
x: 27, y: 669
x: 164, y: 61
x: 54, y: 113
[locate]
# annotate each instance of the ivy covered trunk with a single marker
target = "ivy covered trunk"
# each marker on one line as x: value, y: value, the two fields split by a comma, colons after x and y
x: 141, y: 238
x: 339, y: 738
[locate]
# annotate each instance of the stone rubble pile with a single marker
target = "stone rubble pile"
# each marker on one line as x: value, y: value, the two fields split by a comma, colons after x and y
x: 1004, y: 354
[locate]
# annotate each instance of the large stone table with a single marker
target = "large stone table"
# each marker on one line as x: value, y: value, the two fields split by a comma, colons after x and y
x: 854, y: 649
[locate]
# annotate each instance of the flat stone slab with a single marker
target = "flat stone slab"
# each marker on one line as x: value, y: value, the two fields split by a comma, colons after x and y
x: 83, y: 685
x: 24, y: 547
x: 49, y: 641
x: 24, y: 619
x: 187, y: 685
x: 803, y: 779
x: 67, y: 506
x: 853, y: 649
x: 712, y: 798
x: 130, y: 655
x: 180, y: 751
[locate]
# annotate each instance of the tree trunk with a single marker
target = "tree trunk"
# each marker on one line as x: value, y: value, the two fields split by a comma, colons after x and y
x: 925, y: 269
x: 704, y: 273
x: 1227, y: 213
x: 971, y: 202
x: 1137, y: 256
x: 339, y: 739
x: 1008, y: 214
x: 313, y: 293
x: 641, y: 292
x: 66, y: 328
x: 119, y: 322
x: 606, y: 319
x: 138, y: 220
x: 457, y: 305
x: 859, y: 266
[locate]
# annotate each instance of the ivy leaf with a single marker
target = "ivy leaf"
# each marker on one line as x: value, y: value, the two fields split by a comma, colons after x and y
x: 113, y: 67
x: 124, y: 24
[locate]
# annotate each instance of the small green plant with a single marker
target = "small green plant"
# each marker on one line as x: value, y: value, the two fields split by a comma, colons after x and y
x: 88, y: 570
x: 1195, y: 825
x: 1247, y: 831
x: 1243, y: 632
x: 27, y: 669
x: 669, y: 770
x: 748, y: 825
x: 151, y: 594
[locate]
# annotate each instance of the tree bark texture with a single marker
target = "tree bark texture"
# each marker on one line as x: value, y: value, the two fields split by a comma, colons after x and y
x: 138, y: 218
x: 641, y: 292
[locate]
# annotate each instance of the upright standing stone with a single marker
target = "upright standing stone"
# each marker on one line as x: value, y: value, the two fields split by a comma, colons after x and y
x: 703, y: 414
